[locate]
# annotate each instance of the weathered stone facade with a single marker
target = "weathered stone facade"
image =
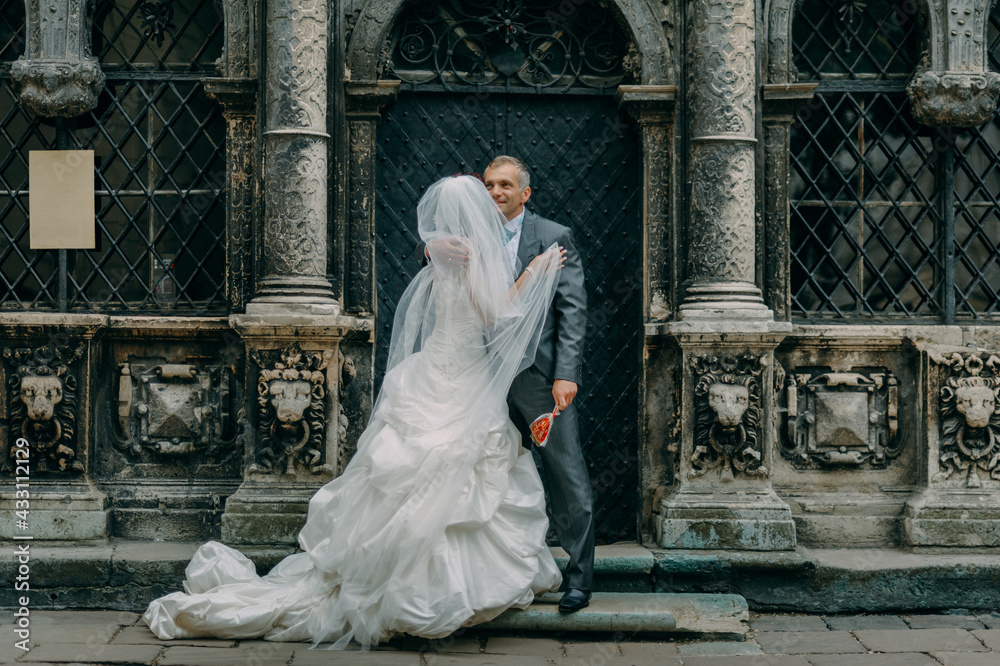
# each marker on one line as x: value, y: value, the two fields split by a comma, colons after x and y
x: 758, y: 432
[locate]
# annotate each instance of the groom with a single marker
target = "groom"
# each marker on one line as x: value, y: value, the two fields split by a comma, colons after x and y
x: 554, y: 376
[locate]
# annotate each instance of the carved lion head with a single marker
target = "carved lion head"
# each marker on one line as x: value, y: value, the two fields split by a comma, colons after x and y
x: 291, y: 398
x: 729, y: 402
x: 40, y: 395
x: 977, y: 404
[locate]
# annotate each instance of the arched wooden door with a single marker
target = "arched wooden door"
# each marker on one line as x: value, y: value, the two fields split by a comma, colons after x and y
x: 586, y: 174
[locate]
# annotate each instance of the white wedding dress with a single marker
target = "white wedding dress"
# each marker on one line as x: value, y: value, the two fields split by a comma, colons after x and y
x: 437, y: 522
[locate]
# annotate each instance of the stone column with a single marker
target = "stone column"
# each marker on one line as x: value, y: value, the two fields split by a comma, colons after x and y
x: 239, y: 102
x: 722, y: 79
x: 295, y: 161
x: 780, y: 104
x: 57, y: 74
x: 653, y: 109
x: 365, y: 102
x: 725, y: 333
x: 954, y: 86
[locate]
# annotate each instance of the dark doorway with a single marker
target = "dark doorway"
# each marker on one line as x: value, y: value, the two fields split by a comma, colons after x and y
x: 586, y: 174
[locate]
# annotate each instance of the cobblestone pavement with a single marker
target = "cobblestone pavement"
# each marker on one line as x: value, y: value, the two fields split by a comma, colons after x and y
x: 88, y: 637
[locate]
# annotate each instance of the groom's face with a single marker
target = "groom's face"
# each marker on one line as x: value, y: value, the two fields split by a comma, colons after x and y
x: 503, y: 183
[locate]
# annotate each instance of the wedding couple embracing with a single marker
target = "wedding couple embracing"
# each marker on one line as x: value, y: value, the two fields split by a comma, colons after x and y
x: 438, y: 521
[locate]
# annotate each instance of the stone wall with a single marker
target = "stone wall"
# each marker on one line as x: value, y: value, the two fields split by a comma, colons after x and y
x: 758, y: 433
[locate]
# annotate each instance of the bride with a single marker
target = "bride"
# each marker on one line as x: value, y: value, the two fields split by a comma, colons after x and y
x: 438, y: 522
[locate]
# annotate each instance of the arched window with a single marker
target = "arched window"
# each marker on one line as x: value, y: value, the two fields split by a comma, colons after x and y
x: 160, y: 147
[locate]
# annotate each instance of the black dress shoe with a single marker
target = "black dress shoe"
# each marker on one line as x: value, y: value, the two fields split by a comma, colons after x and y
x: 573, y: 600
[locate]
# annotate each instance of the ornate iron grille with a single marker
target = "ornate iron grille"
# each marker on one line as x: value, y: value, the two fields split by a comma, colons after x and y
x: 586, y: 174
x: 864, y: 227
x: 160, y: 178
x: 162, y: 35
x: 877, y: 201
x: 855, y: 40
x: 550, y: 45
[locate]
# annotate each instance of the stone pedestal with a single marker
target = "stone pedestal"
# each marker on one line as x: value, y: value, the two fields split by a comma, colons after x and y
x: 297, y: 428
x: 725, y: 499
x: 46, y: 452
x: 960, y: 505
x: 59, y: 511
x: 726, y: 334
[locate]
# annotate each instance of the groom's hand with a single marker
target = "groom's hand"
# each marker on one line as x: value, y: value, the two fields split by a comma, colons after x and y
x: 563, y: 391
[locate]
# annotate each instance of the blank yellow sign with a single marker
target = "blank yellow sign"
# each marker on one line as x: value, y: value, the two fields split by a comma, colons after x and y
x: 61, y: 199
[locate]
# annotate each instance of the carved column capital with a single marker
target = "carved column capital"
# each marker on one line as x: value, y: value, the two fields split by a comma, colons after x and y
x: 367, y: 99
x: 953, y: 86
x: 649, y: 105
x: 238, y: 97
x: 57, y: 74
x: 783, y: 100
x: 954, y: 99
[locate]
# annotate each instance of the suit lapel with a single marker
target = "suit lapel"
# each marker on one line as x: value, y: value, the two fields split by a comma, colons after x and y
x: 527, y: 247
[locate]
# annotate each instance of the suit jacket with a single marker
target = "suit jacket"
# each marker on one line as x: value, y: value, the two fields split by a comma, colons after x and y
x: 560, y: 348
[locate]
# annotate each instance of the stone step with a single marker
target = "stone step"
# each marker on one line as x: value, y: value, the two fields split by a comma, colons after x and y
x: 126, y: 575
x: 720, y: 615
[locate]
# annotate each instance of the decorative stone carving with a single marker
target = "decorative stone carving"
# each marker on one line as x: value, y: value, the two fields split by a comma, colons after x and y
x: 368, y: 29
x: 943, y: 99
x: 174, y: 409
x: 842, y: 419
x: 953, y: 85
x: 42, y: 392
x: 57, y: 74
x: 722, y: 96
x: 970, y: 418
x: 291, y: 396
x: 727, y: 415
x: 239, y: 57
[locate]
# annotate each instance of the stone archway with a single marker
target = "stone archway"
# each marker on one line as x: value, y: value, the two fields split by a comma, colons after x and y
x: 646, y: 173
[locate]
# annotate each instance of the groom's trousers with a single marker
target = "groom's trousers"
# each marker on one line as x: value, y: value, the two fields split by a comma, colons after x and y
x: 566, y: 477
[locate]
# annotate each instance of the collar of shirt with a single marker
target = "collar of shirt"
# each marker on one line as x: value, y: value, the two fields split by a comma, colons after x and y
x: 513, y: 225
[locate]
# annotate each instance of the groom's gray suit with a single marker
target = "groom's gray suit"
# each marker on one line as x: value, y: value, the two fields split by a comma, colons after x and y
x: 559, y: 356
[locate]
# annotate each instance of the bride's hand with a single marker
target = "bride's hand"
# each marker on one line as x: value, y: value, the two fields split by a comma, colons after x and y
x: 546, y: 261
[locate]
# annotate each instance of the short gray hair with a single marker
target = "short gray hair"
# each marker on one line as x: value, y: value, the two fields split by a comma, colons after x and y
x: 523, y: 176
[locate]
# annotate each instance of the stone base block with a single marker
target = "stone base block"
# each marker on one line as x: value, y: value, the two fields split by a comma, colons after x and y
x: 831, y: 521
x: 70, y: 512
x: 957, y: 519
x: 266, y: 514
x: 741, y: 521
